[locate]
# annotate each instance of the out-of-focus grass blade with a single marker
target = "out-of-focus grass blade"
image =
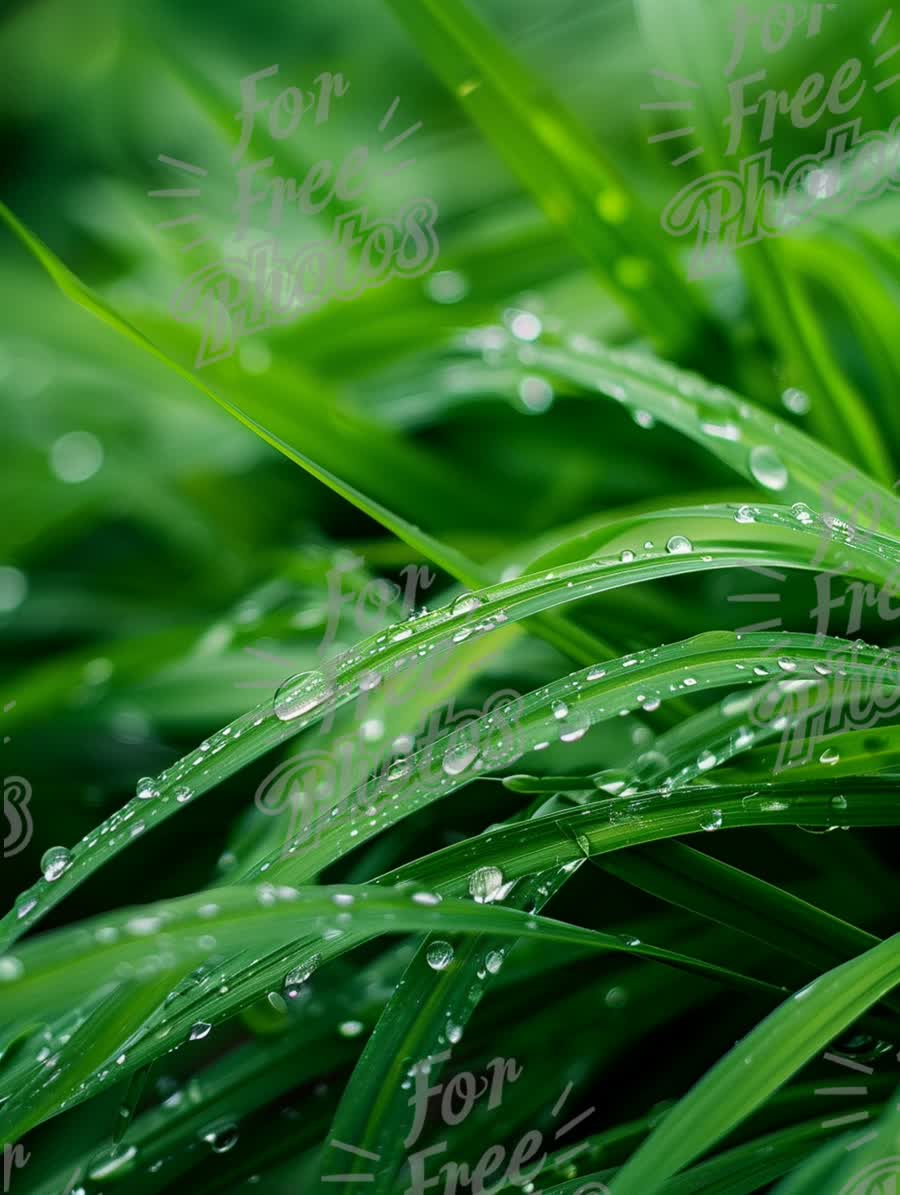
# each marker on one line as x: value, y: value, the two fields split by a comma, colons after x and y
x: 777, y: 457
x: 577, y: 189
x: 693, y: 41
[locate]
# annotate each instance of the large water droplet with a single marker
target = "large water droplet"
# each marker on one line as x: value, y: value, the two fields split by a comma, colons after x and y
x: 296, y: 978
x: 200, y: 1030
x: 114, y: 1167
x: 223, y: 1139
x: 55, y: 862
x: 350, y: 1028
x: 439, y: 956
x: 678, y: 545
x: 457, y: 759
x: 300, y: 694
x: 10, y: 968
x: 711, y: 820
x: 146, y: 789
x: 466, y: 603
x: 486, y: 884
x: 768, y: 468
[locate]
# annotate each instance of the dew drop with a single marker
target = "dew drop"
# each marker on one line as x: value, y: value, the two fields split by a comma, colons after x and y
x: 439, y: 956
x: 146, y: 789
x: 350, y: 1028
x: 114, y: 1167
x: 55, y: 862
x: 768, y: 468
x: 299, y: 694
x: 466, y: 603
x: 10, y: 968
x: 678, y: 545
x: 486, y: 884
x: 796, y: 401
x: 301, y: 974
x: 524, y: 325
x: 457, y: 759
x: 183, y: 794
x: 712, y: 820
x: 223, y: 1139
x: 200, y: 1030
x: 829, y: 756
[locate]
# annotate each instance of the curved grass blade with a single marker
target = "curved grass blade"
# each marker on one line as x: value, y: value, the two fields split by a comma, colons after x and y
x: 759, y: 1065
x: 76, y: 959
x: 777, y: 457
x: 576, y: 188
x: 771, y: 539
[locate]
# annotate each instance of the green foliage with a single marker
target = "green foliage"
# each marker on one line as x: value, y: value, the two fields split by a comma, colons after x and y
x: 535, y: 742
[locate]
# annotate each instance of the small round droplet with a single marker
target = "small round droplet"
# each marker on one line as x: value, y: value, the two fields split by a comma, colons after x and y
x: 768, y: 468
x: 183, y: 794
x: 560, y: 710
x: 787, y: 665
x: 439, y: 956
x: 493, y: 960
x: 299, y: 694
x: 627, y: 556
x: 706, y: 760
x: 745, y: 514
x: 200, y: 1030
x: 454, y: 1034
x: 146, y: 789
x: 679, y: 545
x: 55, y: 862
x: 829, y: 756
